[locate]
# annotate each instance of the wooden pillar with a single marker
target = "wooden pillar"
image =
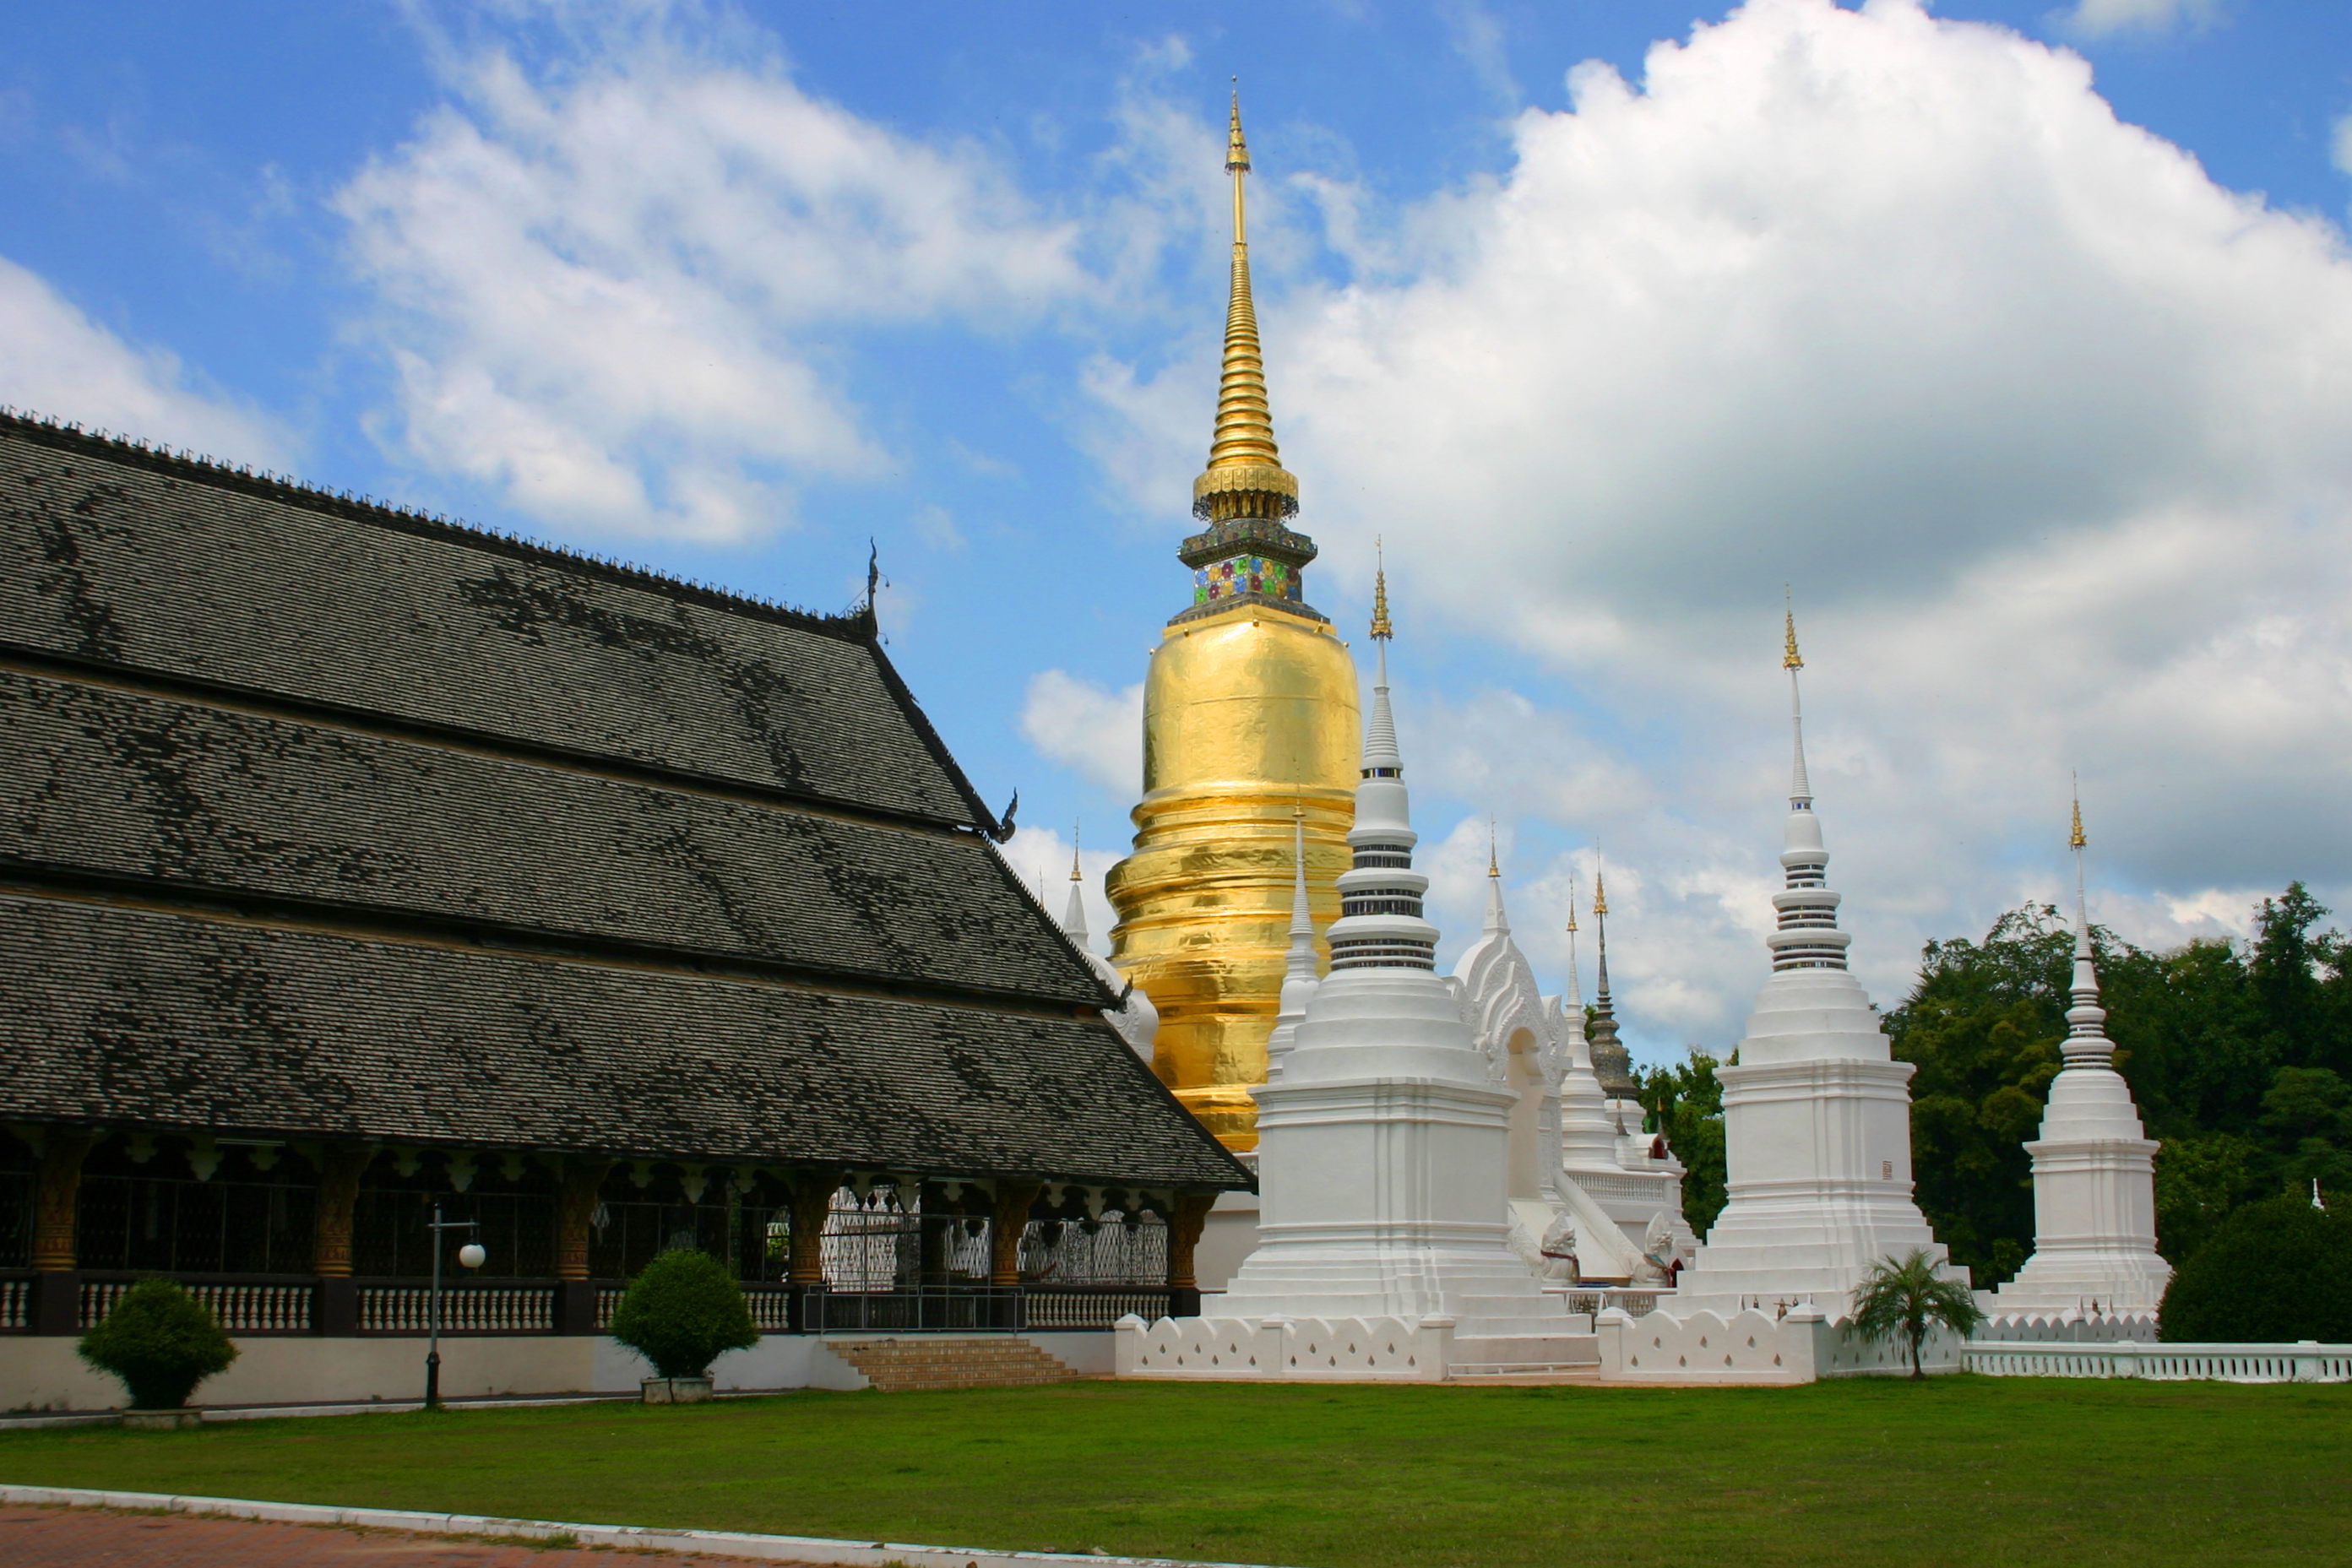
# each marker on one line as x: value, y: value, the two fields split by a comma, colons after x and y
x: 1184, y: 1229
x: 57, y: 1202
x: 810, y: 1194
x: 812, y: 1200
x: 576, y: 1216
x: 1005, y: 1226
x: 337, y: 1307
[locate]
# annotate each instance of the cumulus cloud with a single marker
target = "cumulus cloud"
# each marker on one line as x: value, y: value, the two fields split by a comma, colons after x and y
x: 608, y: 280
x: 2051, y: 433
x: 1096, y: 732
x: 2099, y: 19
x: 54, y: 360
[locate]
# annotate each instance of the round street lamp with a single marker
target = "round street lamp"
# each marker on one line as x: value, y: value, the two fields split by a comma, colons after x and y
x: 472, y: 1256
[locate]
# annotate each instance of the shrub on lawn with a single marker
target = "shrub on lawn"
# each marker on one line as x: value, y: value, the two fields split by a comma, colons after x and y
x: 682, y: 1311
x: 2273, y: 1272
x: 161, y: 1342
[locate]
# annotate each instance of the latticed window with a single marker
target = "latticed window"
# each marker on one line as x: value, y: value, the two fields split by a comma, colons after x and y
x: 181, y: 1225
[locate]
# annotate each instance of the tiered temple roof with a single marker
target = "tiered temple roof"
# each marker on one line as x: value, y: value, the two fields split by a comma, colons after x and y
x: 325, y: 819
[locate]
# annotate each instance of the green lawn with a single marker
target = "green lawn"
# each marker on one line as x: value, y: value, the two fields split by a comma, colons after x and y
x: 1956, y: 1470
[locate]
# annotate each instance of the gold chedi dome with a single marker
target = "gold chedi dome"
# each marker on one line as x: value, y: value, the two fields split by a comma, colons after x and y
x: 1249, y: 722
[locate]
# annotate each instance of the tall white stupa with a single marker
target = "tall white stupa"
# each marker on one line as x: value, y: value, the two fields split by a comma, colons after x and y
x: 2093, y: 1169
x: 1384, y: 1134
x: 1816, y: 1112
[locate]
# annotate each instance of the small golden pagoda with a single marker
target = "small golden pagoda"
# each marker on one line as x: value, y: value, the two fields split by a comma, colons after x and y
x: 1249, y: 715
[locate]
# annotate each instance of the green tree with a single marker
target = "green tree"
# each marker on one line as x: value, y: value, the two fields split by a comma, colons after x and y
x: 1906, y: 1296
x: 1685, y: 1104
x: 2200, y: 1180
x: 161, y: 1342
x: 2274, y: 1271
x: 682, y: 1311
x: 1983, y: 1027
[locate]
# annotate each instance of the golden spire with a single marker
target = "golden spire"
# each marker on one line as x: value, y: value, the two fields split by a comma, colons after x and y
x: 1381, y: 627
x: 1494, y: 866
x: 2076, y: 841
x: 1245, y: 477
x: 1600, y: 896
x: 1791, y: 659
x: 1076, y: 875
x: 1571, y: 904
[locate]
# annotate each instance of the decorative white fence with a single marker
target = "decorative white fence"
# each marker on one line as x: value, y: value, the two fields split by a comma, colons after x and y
x: 474, y: 1309
x: 2307, y: 1362
x: 240, y: 1306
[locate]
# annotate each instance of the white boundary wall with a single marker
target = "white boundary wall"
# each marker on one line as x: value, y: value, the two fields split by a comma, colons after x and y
x: 42, y: 1372
x: 1755, y: 1347
x: 2306, y: 1361
x: 1329, y: 1350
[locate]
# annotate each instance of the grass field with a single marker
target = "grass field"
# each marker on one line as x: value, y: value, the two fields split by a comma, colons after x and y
x: 1957, y: 1470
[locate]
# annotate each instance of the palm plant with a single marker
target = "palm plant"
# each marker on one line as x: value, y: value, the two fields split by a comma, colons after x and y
x: 1906, y: 1296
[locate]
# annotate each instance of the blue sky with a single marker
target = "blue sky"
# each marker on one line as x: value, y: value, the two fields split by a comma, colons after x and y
x: 2014, y: 337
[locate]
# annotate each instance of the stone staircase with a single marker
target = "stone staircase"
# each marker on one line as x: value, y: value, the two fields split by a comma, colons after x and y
x: 942, y: 1361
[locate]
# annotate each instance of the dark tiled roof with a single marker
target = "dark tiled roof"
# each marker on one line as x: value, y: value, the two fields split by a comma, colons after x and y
x: 157, y: 1019
x: 321, y: 818
x: 111, y: 556
x: 122, y: 784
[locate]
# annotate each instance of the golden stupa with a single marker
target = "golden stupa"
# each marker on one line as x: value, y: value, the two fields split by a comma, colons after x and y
x: 1249, y: 717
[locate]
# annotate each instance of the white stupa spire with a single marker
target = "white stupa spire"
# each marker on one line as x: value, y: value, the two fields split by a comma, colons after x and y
x: 1588, y: 1133
x: 1073, y: 913
x: 2094, y: 1165
x: 1299, y: 976
x: 2086, y: 1020
x: 1381, y: 922
x: 1808, y: 938
x: 1816, y: 1111
x: 1498, y: 923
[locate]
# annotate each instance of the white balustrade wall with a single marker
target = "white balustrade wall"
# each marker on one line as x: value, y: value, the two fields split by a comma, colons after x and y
x: 476, y: 1309
x: 2307, y: 1362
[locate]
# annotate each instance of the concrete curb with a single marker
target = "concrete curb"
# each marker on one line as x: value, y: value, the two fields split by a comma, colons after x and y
x: 640, y: 1538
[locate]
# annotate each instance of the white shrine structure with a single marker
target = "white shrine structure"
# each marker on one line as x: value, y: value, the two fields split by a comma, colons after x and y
x: 1455, y: 1181
x: 1816, y: 1112
x: 1385, y: 1157
x: 2094, y: 1170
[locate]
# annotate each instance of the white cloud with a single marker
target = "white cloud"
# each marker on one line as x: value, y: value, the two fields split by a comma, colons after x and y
x: 612, y: 285
x: 55, y: 360
x: 1096, y: 732
x: 2053, y: 435
x: 2100, y: 18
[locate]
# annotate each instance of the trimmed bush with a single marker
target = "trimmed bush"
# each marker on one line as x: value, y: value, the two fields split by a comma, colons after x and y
x: 682, y: 1311
x: 2273, y: 1272
x: 161, y: 1342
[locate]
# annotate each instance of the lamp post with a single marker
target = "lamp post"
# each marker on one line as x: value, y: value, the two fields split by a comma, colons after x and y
x: 472, y: 1256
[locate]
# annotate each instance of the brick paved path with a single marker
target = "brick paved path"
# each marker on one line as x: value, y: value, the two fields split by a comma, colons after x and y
x: 90, y: 1538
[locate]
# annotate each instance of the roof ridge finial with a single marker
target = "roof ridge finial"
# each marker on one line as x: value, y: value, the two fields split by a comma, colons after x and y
x: 1381, y: 629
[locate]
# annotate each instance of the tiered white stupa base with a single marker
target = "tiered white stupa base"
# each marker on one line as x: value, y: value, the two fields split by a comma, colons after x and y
x: 1817, y: 1134
x: 2093, y: 1205
x: 1382, y: 1249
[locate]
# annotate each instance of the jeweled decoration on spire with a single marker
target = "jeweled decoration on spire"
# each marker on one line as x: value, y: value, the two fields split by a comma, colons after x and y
x: 1246, y: 555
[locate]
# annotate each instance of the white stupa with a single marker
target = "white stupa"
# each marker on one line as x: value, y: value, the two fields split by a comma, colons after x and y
x: 1135, y: 1018
x: 1816, y: 1112
x: 2093, y: 1169
x: 1383, y: 1139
